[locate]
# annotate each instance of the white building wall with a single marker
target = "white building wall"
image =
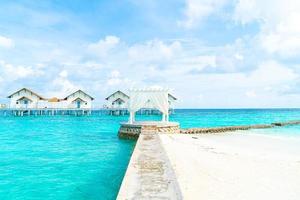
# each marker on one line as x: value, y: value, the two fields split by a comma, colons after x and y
x: 60, y: 105
x: 123, y: 105
x: 42, y: 104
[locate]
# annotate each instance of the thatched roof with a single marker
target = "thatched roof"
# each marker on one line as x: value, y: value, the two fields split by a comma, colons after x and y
x: 54, y: 99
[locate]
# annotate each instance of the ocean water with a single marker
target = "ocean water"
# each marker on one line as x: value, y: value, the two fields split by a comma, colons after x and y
x: 228, y: 117
x: 79, y: 158
x: 285, y: 133
x: 61, y: 157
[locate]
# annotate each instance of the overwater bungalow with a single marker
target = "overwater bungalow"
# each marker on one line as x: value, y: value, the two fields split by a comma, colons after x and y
x: 117, y: 100
x: 25, y: 98
x: 27, y: 101
x: 79, y: 99
x: 117, y: 103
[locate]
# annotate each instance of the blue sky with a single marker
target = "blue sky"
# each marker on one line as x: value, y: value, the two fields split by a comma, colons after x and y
x: 210, y: 53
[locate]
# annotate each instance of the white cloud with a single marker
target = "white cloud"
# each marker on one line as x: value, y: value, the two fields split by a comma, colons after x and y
x: 272, y: 73
x: 200, y: 71
x: 279, y: 24
x: 104, y: 46
x: 246, y: 11
x: 251, y: 94
x: 205, y: 73
x: 196, y: 64
x: 154, y: 50
x: 63, y: 74
x: 269, y: 82
x: 238, y: 56
x: 285, y: 37
x: 115, y: 74
x: 200, y: 61
x: 229, y: 60
x: 116, y: 80
x: 197, y: 10
x: 11, y: 72
x: 6, y: 42
x: 190, y: 67
x: 62, y: 86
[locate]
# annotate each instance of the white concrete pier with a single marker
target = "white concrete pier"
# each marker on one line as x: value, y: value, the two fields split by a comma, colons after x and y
x: 149, y: 174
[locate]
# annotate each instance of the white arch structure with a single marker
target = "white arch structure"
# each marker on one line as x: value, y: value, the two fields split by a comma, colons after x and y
x: 148, y: 98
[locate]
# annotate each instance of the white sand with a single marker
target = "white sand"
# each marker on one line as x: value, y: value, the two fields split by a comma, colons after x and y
x: 235, y: 166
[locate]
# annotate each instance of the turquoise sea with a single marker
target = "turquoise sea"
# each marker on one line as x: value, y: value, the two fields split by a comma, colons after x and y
x: 79, y: 158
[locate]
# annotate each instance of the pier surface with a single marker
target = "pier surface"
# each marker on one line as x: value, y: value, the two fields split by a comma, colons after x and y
x: 149, y: 174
